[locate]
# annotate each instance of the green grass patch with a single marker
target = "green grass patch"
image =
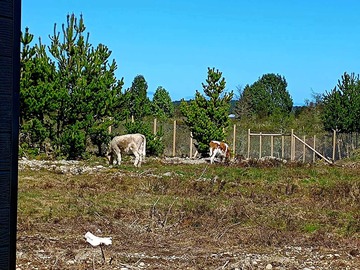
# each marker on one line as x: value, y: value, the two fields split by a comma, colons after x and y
x: 283, y: 199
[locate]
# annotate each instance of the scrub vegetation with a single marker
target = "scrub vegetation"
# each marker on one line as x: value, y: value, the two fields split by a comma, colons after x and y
x: 187, y: 216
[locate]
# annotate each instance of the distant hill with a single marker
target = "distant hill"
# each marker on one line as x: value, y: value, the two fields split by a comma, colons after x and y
x: 296, y: 108
x: 176, y: 103
x: 232, y: 105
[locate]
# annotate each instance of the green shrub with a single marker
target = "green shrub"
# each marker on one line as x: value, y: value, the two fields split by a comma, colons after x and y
x: 73, y: 143
x: 154, y: 142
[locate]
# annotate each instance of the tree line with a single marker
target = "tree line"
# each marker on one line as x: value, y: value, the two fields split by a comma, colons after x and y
x: 69, y: 96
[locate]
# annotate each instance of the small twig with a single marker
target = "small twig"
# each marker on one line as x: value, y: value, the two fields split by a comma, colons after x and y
x: 146, y: 171
x: 138, y: 261
x: 102, y: 253
x: 229, y: 227
x: 226, y: 263
x: 152, y: 212
x: 166, y: 215
x: 130, y: 266
x: 132, y: 223
x: 57, y: 258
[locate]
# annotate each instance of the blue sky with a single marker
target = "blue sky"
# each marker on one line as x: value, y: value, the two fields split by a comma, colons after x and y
x: 172, y: 43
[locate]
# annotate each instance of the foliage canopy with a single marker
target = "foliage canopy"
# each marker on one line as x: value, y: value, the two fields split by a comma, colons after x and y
x: 162, y: 107
x: 341, y: 106
x: 137, y: 104
x: 68, y: 96
x: 268, y: 96
x: 208, y: 116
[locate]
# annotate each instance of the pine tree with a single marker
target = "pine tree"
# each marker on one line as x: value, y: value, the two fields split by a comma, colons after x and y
x: 341, y: 106
x: 162, y: 106
x: 37, y: 93
x: 243, y: 108
x: 72, y: 95
x: 137, y: 102
x: 88, y: 88
x: 207, y: 116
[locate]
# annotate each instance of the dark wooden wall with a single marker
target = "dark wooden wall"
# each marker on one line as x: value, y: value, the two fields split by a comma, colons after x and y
x: 10, y: 18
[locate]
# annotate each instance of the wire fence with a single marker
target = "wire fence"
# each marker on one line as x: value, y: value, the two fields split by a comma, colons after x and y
x: 247, y: 143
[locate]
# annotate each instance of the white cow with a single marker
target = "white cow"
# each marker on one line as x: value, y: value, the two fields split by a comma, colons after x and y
x: 134, y: 143
x: 221, y: 149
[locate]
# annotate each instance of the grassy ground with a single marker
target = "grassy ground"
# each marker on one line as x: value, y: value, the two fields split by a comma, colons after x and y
x: 184, y: 216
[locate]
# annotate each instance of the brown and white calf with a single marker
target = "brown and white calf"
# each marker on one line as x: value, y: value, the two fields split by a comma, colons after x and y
x: 129, y: 143
x: 221, y: 149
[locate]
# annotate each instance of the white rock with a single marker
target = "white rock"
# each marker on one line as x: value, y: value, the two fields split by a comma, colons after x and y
x: 70, y: 262
x: 269, y: 266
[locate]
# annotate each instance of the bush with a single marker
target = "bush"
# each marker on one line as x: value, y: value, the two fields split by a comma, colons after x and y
x: 73, y: 143
x: 154, y: 142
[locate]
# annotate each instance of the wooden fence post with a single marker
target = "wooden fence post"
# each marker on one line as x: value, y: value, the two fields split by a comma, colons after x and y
x: 191, y: 145
x: 314, y: 154
x: 248, y: 139
x: 282, y: 146
x: 154, y: 125
x: 234, y: 141
x: 174, y: 138
x: 292, y: 146
x: 260, y: 144
x: 339, y: 150
x: 271, y: 145
x: 304, y: 149
x: 334, y: 145
x: 132, y: 119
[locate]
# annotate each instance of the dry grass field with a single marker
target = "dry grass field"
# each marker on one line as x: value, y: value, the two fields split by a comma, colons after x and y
x: 174, y: 215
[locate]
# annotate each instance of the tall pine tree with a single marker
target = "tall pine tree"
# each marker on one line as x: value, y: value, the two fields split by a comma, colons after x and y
x: 341, y: 106
x: 37, y: 95
x: 208, y: 116
x: 72, y: 96
x: 87, y: 86
x: 162, y: 106
x: 137, y: 103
